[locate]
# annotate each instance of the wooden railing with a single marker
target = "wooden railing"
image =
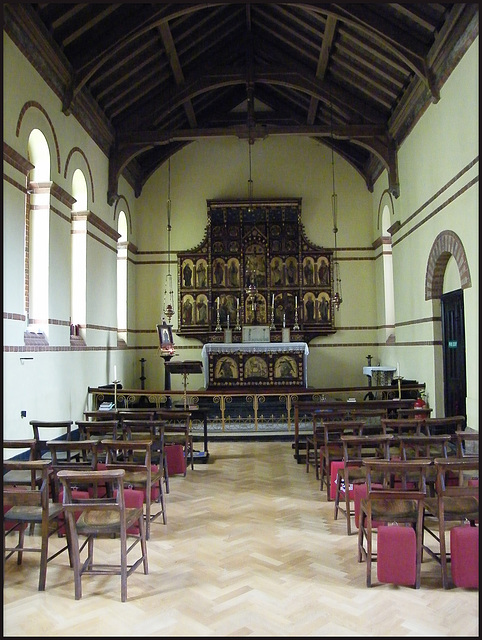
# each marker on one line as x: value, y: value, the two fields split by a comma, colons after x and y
x: 252, y: 401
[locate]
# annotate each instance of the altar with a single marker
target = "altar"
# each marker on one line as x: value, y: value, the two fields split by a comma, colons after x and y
x: 255, y: 364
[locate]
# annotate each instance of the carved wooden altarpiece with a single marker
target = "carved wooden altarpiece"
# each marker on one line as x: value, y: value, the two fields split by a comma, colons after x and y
x: 255, y: 246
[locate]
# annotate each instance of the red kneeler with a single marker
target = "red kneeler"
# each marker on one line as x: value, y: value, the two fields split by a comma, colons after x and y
x: 176, y: 463
x: 396, y: 555
x: 464, y: 554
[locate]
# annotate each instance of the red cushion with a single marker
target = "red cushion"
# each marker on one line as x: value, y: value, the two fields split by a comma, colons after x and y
x: 76, y: 495
x: 133, y: 498
x: 464, y: 551
x: 396, y: 555
x: 176, y: 462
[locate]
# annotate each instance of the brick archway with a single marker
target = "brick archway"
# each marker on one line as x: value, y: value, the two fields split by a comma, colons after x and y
x: 445, y: 245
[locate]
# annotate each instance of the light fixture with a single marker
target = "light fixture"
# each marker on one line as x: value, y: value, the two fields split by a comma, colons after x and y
x: 337, y: 295
x: 168, y: 309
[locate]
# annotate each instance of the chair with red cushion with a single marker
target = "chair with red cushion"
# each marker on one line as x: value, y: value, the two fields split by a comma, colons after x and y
x: 400, y: 502
x: 453, y: 505
x: 134, y: 456
x: 352, y: 471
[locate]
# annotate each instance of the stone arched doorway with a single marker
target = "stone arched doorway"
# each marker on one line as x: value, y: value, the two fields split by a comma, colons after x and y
x: 451, y: 365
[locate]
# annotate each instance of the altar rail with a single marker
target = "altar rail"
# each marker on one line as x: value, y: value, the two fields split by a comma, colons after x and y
x: 232, y: 407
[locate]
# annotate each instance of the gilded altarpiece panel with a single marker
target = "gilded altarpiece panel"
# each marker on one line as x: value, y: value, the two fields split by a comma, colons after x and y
x: 255, y: 266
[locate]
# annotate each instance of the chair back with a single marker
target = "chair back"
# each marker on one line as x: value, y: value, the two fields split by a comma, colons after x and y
x: 357, y: 448
x: 467, y: 470
x: 333, y: 431
x: 402, y: 426
x: 152, y: 430
x: 128, y: 453
x: 438, y: 426
x: 423, y: 446
x: 45, y: 430
x: 111, y: 500
x: 26, y: 495
x: 76, y: 455
x: 397, y: 477
x: 98, y: 429
x: 461, y: 438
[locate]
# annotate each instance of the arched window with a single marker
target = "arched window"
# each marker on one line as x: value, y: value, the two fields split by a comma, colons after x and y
x: 38, y: 234
x: 389, y: 297
x: 122, y: 245
x: 78, y: 312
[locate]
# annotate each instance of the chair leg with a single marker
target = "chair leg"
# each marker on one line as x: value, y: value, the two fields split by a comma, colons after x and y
x: 347, y: 503
x: 307, y: 449
x: 443, y: 554
x: 142, y: 533
x: 44, y: 549
x: 369, y: 536
x: 123, y: 544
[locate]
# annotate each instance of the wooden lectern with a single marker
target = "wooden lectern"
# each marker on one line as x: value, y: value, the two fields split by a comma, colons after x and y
x: 185, y: 368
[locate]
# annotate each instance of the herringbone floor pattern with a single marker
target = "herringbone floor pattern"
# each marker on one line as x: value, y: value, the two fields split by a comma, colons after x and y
x: 250, y: 549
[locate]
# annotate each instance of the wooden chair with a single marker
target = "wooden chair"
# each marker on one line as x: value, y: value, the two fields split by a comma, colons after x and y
x: 149, y: 429
x: 95, y: 517
x: 30, y: 505
x: 313, y: 440
x: 43, y: 432
x: 393, y: 503
x: 331, y: 450
x: 177, y: 430
x: 452, y: 505
x: 139, y: 474
x: 355, y: 450
x: 27, y: 447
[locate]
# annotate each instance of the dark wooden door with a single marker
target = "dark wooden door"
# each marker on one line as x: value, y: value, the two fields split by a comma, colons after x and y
x: 453, y: 337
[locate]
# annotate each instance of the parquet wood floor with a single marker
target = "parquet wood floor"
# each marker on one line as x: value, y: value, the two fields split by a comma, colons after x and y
x: 250, y: 549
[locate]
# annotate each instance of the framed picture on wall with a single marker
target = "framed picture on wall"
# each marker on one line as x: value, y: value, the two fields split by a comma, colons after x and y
x: 165, y: 336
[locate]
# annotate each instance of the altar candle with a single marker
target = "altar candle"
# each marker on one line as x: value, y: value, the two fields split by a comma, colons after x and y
x: 237, y: 303
x: 296, y: 302
x: 398, y: 369
x: 115, y: 372
x: 284, y: 320
x: 272, y: 300
x: 228, y: 322
x: 217, y: 302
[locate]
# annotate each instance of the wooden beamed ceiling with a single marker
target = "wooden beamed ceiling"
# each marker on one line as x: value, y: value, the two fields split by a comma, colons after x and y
x: 146, y: 79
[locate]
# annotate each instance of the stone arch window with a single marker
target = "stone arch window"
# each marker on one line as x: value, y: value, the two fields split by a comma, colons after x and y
x: 78, y: 308
x: 122, y: 249
x: 385, y: 219
x: 38, y: 234
x: 446, y: 245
